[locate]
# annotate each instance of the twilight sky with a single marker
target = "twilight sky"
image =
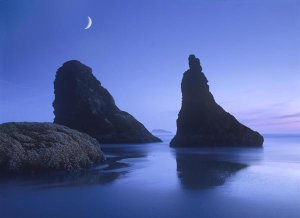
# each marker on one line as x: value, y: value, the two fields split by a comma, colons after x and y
x: 249, y: 50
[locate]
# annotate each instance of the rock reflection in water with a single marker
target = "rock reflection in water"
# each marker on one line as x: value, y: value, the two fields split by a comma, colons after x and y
x: 198, y: 171
x: 115, y: 167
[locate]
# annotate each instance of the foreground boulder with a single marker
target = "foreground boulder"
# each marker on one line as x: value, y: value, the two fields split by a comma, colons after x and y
x: 202, y: 122
x: 82, y: 103
x: 41, y: 146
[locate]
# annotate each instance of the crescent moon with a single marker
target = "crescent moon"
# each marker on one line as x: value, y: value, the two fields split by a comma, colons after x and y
x: 90, y: 22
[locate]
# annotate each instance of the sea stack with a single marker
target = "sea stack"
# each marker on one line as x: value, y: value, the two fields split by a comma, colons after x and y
x: 202, y: 122
x: 82, y: 103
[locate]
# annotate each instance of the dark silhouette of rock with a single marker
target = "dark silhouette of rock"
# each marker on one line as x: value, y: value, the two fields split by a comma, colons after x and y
x: 40, y: 146
x: 161, y: 132
x: 82, y: 103
x: 202, y: 122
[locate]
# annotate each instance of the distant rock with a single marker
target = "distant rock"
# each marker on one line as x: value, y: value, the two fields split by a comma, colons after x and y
x: 161, y: 132
x: 46, y: 146
x: 82, y: 103
x: 202, y: 122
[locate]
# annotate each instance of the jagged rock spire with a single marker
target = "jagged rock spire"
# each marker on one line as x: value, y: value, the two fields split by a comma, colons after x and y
x: 202, y: 122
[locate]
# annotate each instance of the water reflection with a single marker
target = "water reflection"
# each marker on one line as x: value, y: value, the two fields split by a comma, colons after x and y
x: 116, y: 165
x: 202, y: 171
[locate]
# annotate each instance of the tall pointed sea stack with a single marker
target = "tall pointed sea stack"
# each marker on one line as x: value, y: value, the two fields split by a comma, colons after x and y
x: 82, y: 103
x: 202, y: 122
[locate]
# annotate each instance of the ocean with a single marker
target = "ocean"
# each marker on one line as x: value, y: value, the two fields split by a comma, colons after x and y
x: 153, y: 180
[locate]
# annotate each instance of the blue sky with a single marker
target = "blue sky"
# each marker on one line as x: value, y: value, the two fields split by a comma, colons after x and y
x: 249, y: 50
